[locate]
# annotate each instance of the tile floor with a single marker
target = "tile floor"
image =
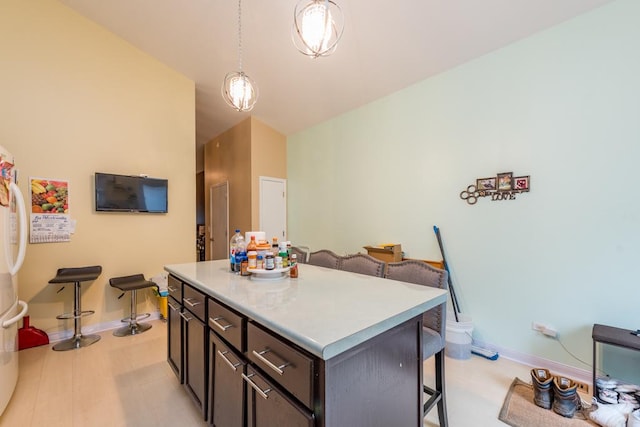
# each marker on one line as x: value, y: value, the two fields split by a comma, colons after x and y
x: 127, y: 382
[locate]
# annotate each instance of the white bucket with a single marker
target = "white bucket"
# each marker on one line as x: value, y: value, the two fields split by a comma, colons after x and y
x: 458, y: 337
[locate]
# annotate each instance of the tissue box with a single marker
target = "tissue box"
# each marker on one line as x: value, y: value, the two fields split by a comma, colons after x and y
x: 391, y: 252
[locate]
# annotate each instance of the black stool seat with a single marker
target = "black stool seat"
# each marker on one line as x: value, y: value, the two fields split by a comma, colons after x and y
x: 81, y: 274
x: 132, y: 283
x: 129, y: 283
x: 76, y: 276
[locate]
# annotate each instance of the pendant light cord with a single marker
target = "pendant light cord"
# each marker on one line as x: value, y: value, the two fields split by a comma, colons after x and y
x: 240, y: 35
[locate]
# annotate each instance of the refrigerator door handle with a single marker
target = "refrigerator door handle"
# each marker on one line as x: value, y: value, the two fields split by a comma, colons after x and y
x: 22, y: 241
x: 17, y: 318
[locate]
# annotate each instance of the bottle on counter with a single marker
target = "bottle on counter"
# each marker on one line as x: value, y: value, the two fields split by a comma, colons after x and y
x: 274, y: 245
x: 282, y: 253
x: 269, y: 261
x: 241, y: 252
x: 244, y: 266
x: 232, y: 250
x: 253, y: 260
x: 293, y: 262
x: 260, y: 262
x: 252, y: 245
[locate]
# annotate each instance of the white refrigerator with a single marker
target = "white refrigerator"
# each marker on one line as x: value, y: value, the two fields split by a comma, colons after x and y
x: 13, y: 242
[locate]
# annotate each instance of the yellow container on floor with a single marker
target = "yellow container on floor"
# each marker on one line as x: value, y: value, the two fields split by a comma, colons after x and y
x: 164, y: 308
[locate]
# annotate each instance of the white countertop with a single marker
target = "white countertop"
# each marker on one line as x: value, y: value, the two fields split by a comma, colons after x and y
x: 324, y: 311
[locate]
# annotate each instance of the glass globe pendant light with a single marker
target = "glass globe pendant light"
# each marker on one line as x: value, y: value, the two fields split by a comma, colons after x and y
x: 238, y: 90
x: 317, y: 27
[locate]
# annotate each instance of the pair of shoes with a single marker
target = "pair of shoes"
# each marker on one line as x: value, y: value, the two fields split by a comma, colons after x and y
x: 565, y: 396
x: 557, y: 392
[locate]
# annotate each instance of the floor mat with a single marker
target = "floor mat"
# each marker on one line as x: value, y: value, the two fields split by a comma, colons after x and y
x: 518, y: 410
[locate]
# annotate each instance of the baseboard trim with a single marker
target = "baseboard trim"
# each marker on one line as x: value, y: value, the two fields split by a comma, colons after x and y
x: 583, y: 375
x: 92, y: 329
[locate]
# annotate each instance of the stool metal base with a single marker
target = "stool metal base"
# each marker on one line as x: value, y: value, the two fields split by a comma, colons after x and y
x: 133, y: 329
x: 76, y: 342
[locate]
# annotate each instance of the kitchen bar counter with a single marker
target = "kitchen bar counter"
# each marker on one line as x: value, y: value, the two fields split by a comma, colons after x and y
x: 324, y: 311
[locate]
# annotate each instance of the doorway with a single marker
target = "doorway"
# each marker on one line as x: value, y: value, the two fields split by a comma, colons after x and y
x: 219, y: 236
x: 273, y: 207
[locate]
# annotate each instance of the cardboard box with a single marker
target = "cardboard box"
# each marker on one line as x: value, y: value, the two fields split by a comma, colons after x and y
x: 386, y: 253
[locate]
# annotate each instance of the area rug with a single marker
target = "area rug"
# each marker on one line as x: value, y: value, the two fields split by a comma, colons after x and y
x: 518, y: 410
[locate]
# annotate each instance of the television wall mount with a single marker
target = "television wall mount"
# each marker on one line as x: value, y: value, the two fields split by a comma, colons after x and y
x: 503, y: 186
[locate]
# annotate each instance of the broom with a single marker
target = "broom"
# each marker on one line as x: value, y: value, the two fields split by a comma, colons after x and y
x: 479, y: 351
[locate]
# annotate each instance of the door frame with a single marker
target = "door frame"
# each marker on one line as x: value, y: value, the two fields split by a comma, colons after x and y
x: 283, y: 181
x: 224, y: 184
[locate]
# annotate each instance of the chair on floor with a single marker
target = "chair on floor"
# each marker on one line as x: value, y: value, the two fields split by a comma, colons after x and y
x: 324, y: 258
x: 76, y: 276
x: 433, y: 326
x: 132, y: 284
x: 363, y: 264
x: 302, y: 254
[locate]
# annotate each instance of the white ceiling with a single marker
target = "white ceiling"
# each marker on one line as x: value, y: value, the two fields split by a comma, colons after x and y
x: 386, y: 46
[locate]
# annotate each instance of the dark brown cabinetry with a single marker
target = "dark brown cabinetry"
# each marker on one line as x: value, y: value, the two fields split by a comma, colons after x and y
x: 227, y: 404
x: 174, y: 327
x: 195, y: 346
x: 269, y: 406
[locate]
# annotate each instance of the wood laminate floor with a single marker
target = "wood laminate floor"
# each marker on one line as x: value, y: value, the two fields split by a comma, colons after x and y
x: 127, y: 382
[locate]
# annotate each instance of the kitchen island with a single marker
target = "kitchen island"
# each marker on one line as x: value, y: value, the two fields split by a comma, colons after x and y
x: 330, y: 348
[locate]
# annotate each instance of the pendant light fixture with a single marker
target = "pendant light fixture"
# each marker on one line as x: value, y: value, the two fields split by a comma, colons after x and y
x: 317, y: 27
x: 238, y: 90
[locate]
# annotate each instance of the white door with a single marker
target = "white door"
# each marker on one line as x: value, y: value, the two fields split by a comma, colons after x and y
x: 273, y: 207
x: 219, y: 232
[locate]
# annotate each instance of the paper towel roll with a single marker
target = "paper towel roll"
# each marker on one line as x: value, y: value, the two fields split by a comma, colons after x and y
x: 260, y: 235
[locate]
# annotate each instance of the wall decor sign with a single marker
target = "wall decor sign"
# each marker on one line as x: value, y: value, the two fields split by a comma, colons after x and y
x: 503, y: 186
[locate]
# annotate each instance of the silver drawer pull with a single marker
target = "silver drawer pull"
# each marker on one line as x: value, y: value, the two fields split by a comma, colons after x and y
x: 215, y: 322
x: 171, y: 289
x: 254, y: 386
x: 192, y: 304
x: 171, y: 306
x: 185, y: 317
x: 270, y: 364
x: 234, y: 366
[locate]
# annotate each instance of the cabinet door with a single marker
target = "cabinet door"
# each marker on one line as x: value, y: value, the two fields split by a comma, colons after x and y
x: 267, y: 406
x: 174, y: 339
x: 226, y: 387
x: 195, y: 374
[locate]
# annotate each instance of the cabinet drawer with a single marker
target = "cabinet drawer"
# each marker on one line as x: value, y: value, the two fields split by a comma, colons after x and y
x: 228, y: 324
x: 289, y: 367
x: 194, y: 301
x: 174, y: 286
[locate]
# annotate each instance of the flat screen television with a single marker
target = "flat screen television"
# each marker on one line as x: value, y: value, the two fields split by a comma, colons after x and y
x: 125, y: 193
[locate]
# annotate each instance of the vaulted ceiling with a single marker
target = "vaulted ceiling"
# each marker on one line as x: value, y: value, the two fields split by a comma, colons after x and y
x: 386, y: 47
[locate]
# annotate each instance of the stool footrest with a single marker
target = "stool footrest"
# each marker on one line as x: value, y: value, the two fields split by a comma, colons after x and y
x: 74, y: 316
x: 138, y: 317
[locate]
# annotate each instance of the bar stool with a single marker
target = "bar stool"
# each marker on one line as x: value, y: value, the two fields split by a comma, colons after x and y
x: 76, y: 276
x: 132, y: 283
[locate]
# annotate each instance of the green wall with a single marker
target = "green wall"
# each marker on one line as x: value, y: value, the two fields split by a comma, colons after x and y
x: 561, y: 106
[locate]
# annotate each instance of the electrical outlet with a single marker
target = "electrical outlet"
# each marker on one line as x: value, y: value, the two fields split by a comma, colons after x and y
x: 536, y: 326
x: 544, y: 329
x: 582, y: 387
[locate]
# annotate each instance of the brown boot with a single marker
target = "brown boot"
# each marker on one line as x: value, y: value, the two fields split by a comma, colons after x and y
x: 542, y: 389
x: 565, y: 399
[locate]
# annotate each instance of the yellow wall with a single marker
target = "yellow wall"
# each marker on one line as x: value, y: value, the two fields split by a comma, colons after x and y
x: 240, y: 156
x: 77, y: 100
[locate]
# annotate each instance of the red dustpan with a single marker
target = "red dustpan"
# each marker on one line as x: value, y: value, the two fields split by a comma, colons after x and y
x: 28, y: 336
